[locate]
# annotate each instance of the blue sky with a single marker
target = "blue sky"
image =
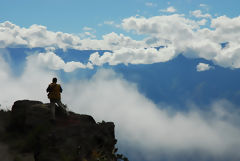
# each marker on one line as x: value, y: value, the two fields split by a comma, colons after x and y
x: 72, y: 16
x: 157, y: 69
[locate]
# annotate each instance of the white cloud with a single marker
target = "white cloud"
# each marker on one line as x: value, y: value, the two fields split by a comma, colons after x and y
x: 228, y: 28
x: 150, y: 4
x: 7, y: 32
x: 4, y: 68
x: 203, y: 67
x: 203, y: 5
x: 187, y: 37
x: 38, y: 36
x: 109, y: 22
x: 170, y: 9
x: 112, y: 23
x: 87, y: 35
x: 199, y: 14
x: 112, y: 41
x: 202, y: 22
x: 133, y: 56
x: 35, y: 36
x: 87, y: 28
x: 31, y: 84
x: 229, y: 57
x: 161, y: 25
x: 51, y: 61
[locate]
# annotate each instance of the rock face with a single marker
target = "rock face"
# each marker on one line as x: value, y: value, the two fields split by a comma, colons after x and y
x: 76, y: 137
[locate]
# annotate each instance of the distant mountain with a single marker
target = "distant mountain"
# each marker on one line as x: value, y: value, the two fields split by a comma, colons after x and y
x: 178, y: 82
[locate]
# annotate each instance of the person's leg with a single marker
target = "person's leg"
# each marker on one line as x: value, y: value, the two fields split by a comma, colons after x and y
x: 64, y: 107
x: 52, y: 106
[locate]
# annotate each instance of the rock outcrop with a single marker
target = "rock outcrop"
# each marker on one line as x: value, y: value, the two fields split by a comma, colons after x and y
x: 31, y: 136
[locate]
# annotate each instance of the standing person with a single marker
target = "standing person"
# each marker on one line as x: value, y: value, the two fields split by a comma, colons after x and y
x: 54, y: 94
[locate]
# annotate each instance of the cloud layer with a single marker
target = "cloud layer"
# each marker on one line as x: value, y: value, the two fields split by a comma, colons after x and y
x: 157, y: 131
x: 176, y: 32
x: 188, y: 37
x: 12, y: 35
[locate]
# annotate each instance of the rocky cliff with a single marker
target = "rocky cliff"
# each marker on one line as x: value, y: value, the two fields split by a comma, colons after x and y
x: 28, y: 134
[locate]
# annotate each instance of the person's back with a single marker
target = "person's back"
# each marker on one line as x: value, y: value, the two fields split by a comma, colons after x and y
x: 55, y: 91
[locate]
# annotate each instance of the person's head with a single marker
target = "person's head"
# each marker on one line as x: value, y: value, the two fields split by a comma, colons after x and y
x: 54, y: 80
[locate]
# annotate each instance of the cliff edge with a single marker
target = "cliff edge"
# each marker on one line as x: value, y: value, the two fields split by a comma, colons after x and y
x: 28, y: 134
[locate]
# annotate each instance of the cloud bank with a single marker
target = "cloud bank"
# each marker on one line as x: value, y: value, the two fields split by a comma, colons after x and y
x: 157, y: 131
x: 178, y: 33
x: 189, y: 38
x: 12, y: 35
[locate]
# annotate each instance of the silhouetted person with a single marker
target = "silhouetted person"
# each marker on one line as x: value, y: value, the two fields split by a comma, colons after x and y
x: 54, y: 94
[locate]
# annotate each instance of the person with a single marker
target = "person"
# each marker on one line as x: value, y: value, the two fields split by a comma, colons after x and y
x: 54, y: 94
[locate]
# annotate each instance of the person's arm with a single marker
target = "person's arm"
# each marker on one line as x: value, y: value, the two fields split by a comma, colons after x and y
x: 48, y: 88
x: 61, y: 89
